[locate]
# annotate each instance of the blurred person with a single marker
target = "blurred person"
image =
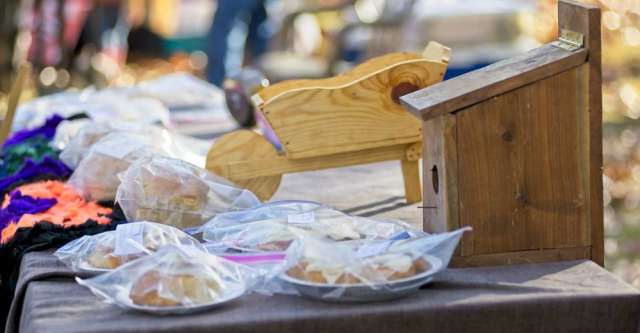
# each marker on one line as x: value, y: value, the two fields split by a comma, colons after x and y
x: 53, y: 27
x: 229, y: 13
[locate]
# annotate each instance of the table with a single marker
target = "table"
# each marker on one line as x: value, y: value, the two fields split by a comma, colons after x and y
x: 366, y: 190
x: 576, y: 296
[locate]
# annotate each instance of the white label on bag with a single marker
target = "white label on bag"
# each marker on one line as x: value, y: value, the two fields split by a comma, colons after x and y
x: 302, y: 218
x: 126, y: 234
x: 373, y: 249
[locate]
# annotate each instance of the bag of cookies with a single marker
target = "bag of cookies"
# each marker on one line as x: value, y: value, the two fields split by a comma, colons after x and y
x: 369, y: 270
x: 109, y: 250
x: 271, y: 226
x: 174, y: 192
x: 175, y: 279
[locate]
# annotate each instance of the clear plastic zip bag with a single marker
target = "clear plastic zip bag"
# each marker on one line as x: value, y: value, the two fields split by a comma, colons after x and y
x: 368, y: 270
x: 96, y: 175
x: 271, y: 226
x: 76, y: 146
x: 174, y: 192
x: 109, y: 250
x: 176, y: 279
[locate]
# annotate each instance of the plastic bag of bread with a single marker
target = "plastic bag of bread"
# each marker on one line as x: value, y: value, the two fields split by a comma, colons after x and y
x: 175, y: 279
x: 268, y: 227
x: 369, y: 270
x: 76, y: 147
x: 109, y: 250
x: 96, y: 178
x: 174, y: 192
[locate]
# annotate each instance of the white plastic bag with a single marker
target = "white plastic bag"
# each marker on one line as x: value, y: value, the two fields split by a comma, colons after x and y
x: 269, y: 227
x: 35, y: 112
x: 67, y: 130
x: 99, y: 105
x: 96, y: 178
x: 111, y: 249
x: 174, y: 192
x: 180, y: 90
x: 176, y: 279
x: 77, y: 147
x: 369, y: 270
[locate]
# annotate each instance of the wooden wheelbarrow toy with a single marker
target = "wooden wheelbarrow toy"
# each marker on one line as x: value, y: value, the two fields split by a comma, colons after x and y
x: 353, y: 118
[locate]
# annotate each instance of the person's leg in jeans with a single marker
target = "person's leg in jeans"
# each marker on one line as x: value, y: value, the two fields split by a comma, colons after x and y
x: 227, y: 13
x: 257, y: 32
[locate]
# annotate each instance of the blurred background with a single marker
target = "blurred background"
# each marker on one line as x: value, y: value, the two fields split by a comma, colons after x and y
x: 74, y: 44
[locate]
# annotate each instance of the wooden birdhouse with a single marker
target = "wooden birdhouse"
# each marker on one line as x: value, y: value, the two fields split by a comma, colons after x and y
x: 514, y: 150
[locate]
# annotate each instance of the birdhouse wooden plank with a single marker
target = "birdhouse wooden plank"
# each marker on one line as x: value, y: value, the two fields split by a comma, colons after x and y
x: 515, y: 151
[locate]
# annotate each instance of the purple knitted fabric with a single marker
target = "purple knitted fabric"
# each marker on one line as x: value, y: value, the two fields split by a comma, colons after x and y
x: 23, y: 204
x: 48, y: 130
x: 50, y: 167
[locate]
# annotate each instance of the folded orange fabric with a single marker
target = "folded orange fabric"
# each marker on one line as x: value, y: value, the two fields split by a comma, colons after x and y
x: 70, y: 210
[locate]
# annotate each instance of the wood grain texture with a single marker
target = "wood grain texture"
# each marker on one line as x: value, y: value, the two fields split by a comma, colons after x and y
x: 256, y: 166
x: 355, y: 111
x: 522, y: 257
x: 440, y: 175
x: 250, y: 161
x: 239, y: 146
x: 411, y: 179
x: 364, y: 69
x: 493, y: 80
x: 12, y: 101
x: 585, y: 19
x: 437, y: 52
x: 528, y: 135
x: 522, y: 161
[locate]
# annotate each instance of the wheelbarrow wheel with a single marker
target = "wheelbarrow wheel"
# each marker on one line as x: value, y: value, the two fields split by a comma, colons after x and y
x: 244, y: 145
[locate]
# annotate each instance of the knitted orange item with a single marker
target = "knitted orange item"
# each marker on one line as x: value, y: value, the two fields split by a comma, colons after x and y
x: 70, y: 210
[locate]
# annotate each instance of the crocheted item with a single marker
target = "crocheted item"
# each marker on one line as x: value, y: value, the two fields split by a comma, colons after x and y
x: 41, y: 237
x: 35, y: 148
x: 47, y: 169
x: 46, y: 131
x: 20, y: 204
x: 70, y: 208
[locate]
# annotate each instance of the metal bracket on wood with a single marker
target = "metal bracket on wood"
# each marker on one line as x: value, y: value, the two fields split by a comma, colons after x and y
x: 569, y: 40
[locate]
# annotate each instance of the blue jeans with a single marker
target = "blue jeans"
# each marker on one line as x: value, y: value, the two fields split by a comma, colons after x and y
x: 229, y: 12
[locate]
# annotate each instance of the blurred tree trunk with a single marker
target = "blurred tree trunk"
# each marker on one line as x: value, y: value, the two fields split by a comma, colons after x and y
x: 8, y: 33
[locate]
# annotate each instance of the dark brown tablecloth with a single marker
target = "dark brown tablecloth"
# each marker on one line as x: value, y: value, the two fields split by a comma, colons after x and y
x: 576, y: 296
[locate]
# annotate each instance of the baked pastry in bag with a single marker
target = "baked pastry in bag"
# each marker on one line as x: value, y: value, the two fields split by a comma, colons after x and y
x: 111, y: 249
x: 170, y: 191
x: 176, y: 279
